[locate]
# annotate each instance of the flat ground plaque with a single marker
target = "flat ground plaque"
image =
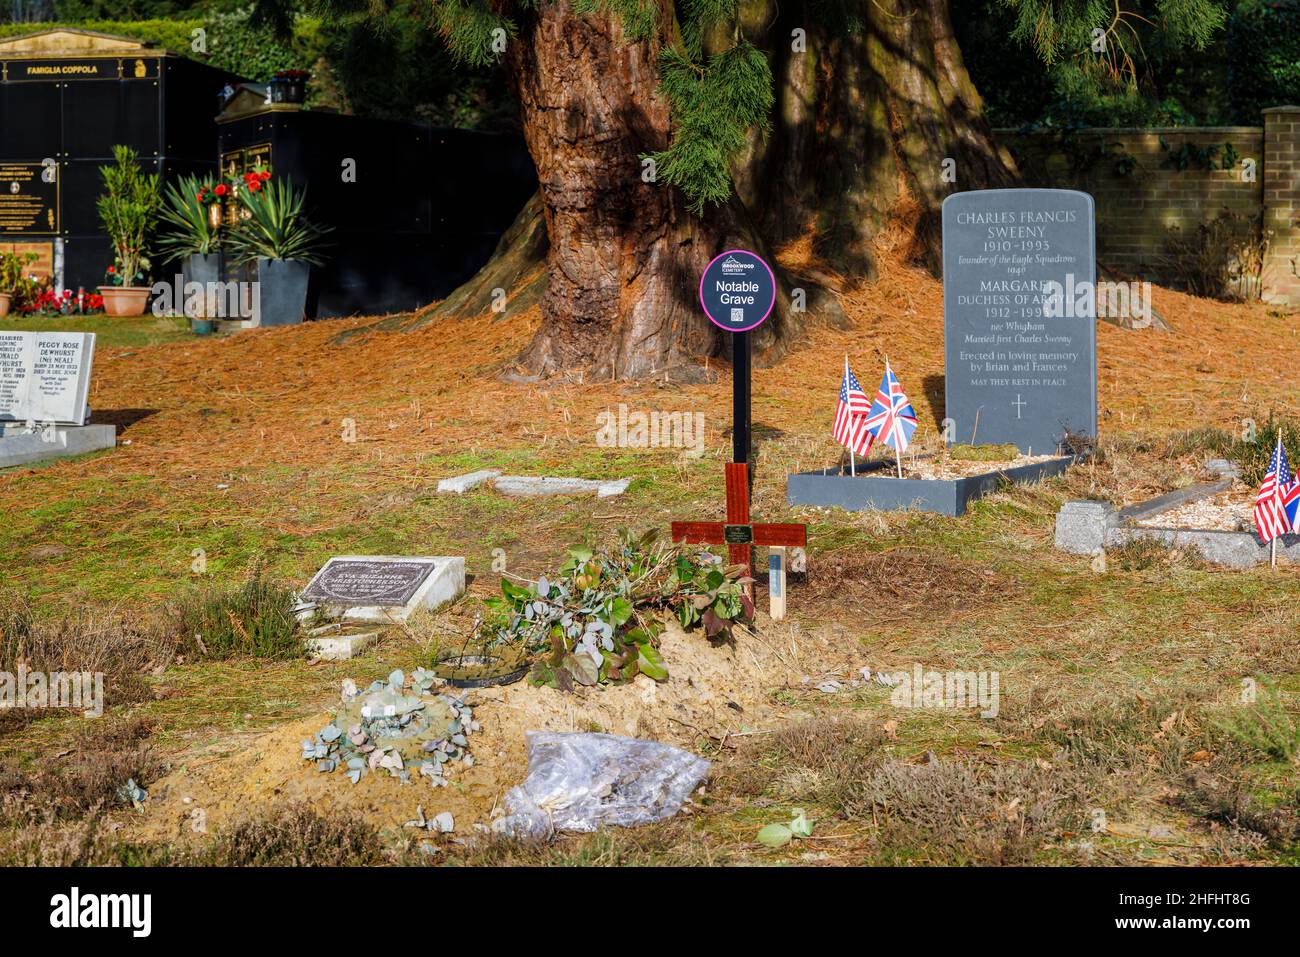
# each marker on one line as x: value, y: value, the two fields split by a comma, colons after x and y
x: 386, y: 587
x: 1014, y: 373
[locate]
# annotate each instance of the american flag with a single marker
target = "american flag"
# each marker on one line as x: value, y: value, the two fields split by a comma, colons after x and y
x: 891, y: 419
x: 849, y: 414
x: 1278, y: 500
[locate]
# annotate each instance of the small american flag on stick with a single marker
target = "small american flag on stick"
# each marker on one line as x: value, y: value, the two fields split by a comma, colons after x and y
x: 1278, y: 500
x: 850, y: 413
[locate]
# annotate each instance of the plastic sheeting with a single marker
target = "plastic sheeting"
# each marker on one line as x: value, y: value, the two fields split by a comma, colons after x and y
x: 582, y: 782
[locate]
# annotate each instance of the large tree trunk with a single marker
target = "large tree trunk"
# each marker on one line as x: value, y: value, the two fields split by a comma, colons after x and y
x: 864, y: 119
x: 622, y: 250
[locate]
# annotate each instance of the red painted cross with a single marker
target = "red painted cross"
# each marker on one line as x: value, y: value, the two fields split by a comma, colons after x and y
x: 737, y: 532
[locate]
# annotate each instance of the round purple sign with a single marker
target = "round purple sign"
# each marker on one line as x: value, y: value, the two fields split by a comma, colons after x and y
x: 738, y: 290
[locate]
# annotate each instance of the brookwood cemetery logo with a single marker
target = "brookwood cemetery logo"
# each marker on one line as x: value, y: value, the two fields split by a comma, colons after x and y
x: 731, y: 266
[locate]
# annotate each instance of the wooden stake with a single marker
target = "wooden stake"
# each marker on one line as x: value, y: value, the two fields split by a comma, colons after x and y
x: 776, y: 563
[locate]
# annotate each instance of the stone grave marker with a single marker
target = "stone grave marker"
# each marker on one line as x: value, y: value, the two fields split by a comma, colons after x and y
x: 385, y: 588
x: 45, y: 376
x: 44, y: 385
x: 1020, y: 363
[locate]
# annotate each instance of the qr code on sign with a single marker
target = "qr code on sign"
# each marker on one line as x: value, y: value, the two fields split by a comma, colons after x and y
x: 737, y: 315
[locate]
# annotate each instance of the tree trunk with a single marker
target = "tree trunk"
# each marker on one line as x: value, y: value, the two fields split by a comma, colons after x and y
x: 865, y: 119
x: 622, y: 250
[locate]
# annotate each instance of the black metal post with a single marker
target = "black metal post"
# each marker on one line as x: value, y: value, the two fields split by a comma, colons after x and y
x: 740, y: 364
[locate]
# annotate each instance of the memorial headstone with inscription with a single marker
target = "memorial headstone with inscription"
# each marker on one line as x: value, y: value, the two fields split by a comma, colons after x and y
x: 44, y: 385
x: 1019, y: 303
x: 385, y: 587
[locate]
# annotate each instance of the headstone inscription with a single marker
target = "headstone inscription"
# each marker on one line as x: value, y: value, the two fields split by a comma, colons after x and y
x: 45, y: 376
x: 1019, y: 304
x: 385, y: 587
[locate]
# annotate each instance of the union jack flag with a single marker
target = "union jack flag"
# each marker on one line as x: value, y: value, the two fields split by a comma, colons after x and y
x: 1278, y: 500
x: 891, y: 419
x: 849, y: 414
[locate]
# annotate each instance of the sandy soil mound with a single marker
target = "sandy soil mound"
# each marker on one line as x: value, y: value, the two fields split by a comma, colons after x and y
x: 712, y: 691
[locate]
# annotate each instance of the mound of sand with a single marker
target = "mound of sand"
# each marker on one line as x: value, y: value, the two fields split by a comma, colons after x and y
x: 713, y: 690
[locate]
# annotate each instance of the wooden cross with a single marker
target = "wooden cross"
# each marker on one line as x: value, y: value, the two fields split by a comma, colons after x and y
x: 737, y: 532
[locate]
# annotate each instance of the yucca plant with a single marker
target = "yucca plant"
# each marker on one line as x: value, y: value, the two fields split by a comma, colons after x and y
x: 128, y: 209
x: 187, y: 214
x: 274, y: 226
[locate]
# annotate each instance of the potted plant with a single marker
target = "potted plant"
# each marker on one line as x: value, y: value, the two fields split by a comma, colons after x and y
x: 289, y: 86
x: 191, y: 214
x: 128, y: 210
x: 285, y: 244
x: 12, y: 280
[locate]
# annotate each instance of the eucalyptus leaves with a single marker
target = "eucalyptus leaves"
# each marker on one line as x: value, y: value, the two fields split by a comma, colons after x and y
x: 599, y: 621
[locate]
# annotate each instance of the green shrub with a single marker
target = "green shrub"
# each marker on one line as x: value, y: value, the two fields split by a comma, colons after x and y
x: 1253, y: 457
x: 1264, y: 57
x: 252, y: 620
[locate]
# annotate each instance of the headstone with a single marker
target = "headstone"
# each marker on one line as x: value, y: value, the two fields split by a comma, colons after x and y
x: 385, y: 587
x: 45, y: 376
x: 1016, y: 372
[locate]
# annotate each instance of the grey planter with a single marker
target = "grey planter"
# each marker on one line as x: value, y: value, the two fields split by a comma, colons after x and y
x: 282, y: 292
x: 945, y: 496
x: 203, y: 269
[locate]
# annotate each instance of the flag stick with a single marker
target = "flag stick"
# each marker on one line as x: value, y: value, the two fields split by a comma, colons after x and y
x: 898, y: 457
x: 853, y: 458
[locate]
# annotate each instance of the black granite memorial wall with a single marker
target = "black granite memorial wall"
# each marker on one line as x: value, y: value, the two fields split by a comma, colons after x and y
x: 70, y: 108
x: 415, y: 209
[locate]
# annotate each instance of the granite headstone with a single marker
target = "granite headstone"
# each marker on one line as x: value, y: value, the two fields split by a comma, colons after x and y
x: 1020, y: 355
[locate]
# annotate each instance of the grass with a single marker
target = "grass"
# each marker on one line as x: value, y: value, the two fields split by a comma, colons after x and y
x: 110, y: 332
x: 240, y: 457
x: 254, y: 619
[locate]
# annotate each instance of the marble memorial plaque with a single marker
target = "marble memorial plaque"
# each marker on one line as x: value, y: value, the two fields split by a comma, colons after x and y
x: 45, y: 376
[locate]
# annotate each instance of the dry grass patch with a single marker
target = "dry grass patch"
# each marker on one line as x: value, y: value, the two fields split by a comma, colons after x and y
x: 900, y: 584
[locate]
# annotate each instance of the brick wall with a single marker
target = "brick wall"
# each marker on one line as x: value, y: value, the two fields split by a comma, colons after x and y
x: 44, y: 264
x: 1152, y: 186
x: 1282, y: 204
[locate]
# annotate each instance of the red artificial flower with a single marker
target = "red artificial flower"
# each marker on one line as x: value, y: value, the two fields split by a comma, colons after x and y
x: 266, y: 174
x: 200, y: 196
x: 112, y: 269
x: 255, y: 185
x: 221, y: 189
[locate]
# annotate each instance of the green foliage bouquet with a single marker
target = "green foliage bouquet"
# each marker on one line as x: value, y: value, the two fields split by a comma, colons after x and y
x: 600, y: 619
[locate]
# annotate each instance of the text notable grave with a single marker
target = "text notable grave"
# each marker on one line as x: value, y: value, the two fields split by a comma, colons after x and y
x: 385, y: 587
x: 45, y: 376
x: 1020, y: 360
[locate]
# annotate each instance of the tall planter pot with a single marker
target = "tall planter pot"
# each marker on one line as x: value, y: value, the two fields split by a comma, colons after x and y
x: 282, y: 291
x: 205, y: 268
x: 4, y: 303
